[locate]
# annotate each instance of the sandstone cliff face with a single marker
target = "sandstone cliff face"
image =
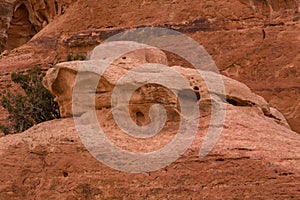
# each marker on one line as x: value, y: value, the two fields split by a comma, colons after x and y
x: 254, y: 42
x: 256, y: 156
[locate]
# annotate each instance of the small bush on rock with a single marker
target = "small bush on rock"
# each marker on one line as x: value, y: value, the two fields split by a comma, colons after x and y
x: 33, y: 107
x: 77, y: 57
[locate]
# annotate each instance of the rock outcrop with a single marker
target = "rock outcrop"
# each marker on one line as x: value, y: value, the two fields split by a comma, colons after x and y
x: 61, y: 80
x: 255, y: 157
x: 254, y: 42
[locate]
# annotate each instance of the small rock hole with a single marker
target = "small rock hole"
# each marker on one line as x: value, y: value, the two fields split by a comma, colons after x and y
x: 198, y: 95
x: 65, y: 174
x: 140, y: 118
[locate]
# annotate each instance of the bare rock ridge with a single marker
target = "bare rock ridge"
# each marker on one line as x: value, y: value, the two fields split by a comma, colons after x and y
x: 256, y: 156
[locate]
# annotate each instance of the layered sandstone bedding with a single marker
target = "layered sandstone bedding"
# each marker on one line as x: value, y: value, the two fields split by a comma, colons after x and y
x: 255, y: 42
x: 256, y: 156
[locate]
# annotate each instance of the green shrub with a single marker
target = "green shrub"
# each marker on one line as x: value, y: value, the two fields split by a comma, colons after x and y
x: 4, y: 129
x: 33, y: 107
x: 77, y: 57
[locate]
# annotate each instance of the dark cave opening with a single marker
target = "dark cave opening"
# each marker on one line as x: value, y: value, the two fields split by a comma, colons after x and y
x: 21, y: 30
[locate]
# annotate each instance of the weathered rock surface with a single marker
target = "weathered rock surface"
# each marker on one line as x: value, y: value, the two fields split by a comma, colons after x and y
x: 255, y: 158
x: 61, y: 80
x: 254, y: 42
x: 21, y: 20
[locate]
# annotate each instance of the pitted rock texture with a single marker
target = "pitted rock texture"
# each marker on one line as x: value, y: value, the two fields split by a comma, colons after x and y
x: 254, y: 158
x: 61, y: 81
x: 257, y: 155
x: 255, y: 42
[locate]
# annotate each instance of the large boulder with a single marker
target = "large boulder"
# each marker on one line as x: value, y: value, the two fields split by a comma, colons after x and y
x: 61, y: 80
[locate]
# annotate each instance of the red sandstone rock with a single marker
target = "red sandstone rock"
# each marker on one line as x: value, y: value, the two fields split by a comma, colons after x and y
x: 253, y: 42
x: 254, y: 158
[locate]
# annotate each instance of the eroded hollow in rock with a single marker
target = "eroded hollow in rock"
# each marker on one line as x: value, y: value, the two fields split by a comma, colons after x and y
x: 140, y: 118
x: 238, y: 102
x: 21, y: 30
x: 197, y: 93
